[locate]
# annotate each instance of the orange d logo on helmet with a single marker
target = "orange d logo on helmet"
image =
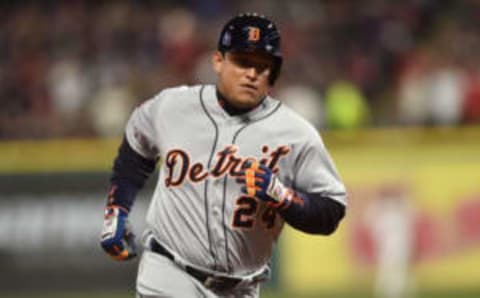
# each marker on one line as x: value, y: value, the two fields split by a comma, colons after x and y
x: 253, y: 34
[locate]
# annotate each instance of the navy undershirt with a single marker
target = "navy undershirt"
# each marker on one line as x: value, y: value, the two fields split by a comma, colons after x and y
x: 231, y: 109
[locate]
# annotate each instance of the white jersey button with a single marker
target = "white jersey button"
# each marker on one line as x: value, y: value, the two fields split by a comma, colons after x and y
x: 216, y: 211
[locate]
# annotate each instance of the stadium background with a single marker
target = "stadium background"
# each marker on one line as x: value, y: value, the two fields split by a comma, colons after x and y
x: 394, y: 89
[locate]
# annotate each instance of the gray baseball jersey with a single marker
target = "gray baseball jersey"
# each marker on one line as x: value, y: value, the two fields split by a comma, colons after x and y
x: 198, y: 210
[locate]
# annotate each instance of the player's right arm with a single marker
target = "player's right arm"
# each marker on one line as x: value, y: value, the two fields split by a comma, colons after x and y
x: 134, y: 163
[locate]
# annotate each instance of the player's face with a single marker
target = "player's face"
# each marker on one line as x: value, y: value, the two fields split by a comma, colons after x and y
x: 243, y: 77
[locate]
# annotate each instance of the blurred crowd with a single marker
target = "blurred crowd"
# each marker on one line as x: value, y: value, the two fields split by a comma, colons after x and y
x: 77, y: 68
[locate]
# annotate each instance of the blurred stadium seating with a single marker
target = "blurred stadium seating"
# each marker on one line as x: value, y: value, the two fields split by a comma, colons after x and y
x: 76, y: 68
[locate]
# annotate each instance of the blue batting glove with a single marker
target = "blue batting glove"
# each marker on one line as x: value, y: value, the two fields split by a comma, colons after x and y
x: 260, y: 182
x: 117, y: 238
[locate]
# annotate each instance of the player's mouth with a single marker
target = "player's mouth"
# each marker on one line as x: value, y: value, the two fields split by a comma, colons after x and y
x: 249, y: 87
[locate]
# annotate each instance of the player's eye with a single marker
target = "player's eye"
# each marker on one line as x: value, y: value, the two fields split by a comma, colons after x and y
x: 244, y: 62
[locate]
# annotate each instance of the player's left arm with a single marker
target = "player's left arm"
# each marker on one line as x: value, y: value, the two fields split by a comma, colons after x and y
x: 314, y: 213
x: 316, y: 201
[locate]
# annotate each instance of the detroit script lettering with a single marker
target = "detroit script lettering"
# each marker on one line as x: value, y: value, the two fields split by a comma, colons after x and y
x: 227, y: 162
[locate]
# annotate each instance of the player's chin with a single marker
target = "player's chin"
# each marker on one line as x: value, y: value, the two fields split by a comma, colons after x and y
x: 249, y: 98
x: 248, y: 103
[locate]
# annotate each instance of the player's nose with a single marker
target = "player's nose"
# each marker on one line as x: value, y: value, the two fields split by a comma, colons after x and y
x: 252, y: 72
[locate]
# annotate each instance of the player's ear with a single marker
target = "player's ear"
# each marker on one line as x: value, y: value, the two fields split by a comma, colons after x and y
x: 217, y: 61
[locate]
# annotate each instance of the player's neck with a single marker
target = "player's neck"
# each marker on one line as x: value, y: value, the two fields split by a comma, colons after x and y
x: 231, y: 109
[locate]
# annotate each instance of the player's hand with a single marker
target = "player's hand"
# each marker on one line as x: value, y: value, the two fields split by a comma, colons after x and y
x: 260, y: 182
x: 117, y: 238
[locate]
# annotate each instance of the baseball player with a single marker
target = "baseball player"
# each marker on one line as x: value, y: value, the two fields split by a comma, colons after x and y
x: 236, y: 165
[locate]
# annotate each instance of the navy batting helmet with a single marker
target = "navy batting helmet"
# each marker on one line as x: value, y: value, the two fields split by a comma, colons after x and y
x: 251, y: 32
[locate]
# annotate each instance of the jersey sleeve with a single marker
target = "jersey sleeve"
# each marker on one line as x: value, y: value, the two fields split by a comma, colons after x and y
x: 141, y: 131
x: 315, y: 171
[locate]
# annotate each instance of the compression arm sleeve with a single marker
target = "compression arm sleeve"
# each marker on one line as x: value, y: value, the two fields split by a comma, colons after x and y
x: 314, y: 213
x: 130, y: 171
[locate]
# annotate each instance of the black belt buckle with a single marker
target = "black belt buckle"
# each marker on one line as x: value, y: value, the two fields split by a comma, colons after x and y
x: 220, y: 284
x: 214, y: 282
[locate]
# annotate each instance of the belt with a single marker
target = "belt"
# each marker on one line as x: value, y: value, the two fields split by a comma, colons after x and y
x: 216, y: 283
